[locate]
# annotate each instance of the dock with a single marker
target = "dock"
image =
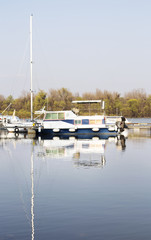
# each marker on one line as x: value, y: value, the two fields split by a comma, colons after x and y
x: 141, y: 130
x: 139, y: 125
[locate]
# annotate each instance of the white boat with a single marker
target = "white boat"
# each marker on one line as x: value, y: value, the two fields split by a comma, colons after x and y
x: 56, y: 123
x: 68, y: 123
x: 14, y: 124
x: 3, y: 118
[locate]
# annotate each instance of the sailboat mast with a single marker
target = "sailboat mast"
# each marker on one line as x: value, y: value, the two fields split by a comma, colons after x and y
x: 31, y: 69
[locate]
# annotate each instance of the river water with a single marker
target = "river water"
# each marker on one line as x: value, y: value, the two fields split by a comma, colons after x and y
x: 75, y: 189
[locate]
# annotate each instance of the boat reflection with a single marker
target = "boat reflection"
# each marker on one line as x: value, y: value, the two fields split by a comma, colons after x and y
x: 83, y: 152
x: 4, y: 134
x: 121, y: 143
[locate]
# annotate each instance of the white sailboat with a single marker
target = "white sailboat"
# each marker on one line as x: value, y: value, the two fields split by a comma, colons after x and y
x: 13, y: 123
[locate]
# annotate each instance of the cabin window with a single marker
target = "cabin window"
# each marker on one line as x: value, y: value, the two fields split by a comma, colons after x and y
x: 60, y: 115
x: 92, y: 121
x: 77, y: 122
x: 96, y: 121
x: 48, y: 116
x: 54, y: 116
x: 85, y: 121
x: 99, y: 121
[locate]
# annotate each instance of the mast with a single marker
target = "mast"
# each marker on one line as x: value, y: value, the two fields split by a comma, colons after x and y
x: 31, y: 69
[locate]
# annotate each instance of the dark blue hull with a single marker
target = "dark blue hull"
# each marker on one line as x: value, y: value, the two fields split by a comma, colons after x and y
x: 80, y: 133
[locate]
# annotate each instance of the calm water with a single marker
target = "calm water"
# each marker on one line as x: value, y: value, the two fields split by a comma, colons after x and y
x: 73, y: 189
x: 139, y: 120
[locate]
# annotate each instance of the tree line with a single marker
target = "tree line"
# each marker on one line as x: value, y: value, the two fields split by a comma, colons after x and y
x: 133, y: 104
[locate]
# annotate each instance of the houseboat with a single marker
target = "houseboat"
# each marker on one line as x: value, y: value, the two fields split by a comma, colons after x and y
x: 67, y: 123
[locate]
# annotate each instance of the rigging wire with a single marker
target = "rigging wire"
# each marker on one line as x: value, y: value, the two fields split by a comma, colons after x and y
x: 20, y: 75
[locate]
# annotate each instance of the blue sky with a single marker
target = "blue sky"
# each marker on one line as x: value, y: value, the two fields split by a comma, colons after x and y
x: 81, y: 45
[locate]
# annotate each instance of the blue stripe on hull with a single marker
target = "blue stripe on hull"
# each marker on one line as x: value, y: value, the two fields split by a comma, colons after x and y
x: 83, y: 133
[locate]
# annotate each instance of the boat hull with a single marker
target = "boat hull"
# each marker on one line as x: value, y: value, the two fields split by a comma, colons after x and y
x: 80, y: 133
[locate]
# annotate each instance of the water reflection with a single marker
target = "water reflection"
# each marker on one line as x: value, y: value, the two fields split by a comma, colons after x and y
x: 10, y: 135
x: 14, y: 138
x: 66, y: 197
x: 84, y: 153
x: 121, y: 142
x: 32, y: 194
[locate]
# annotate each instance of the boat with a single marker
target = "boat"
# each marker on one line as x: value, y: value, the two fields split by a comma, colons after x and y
x: 57, y: 123
x: 68, y: 123
x: 12, y: 123
x: 3, y: 118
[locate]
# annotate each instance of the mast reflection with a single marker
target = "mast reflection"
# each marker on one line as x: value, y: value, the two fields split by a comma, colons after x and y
x: 32, y: 195
x: 13, y: 138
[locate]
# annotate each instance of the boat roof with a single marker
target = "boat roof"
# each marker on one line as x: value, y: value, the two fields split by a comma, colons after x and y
x: 88, y: 101
x: 62, y: 111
